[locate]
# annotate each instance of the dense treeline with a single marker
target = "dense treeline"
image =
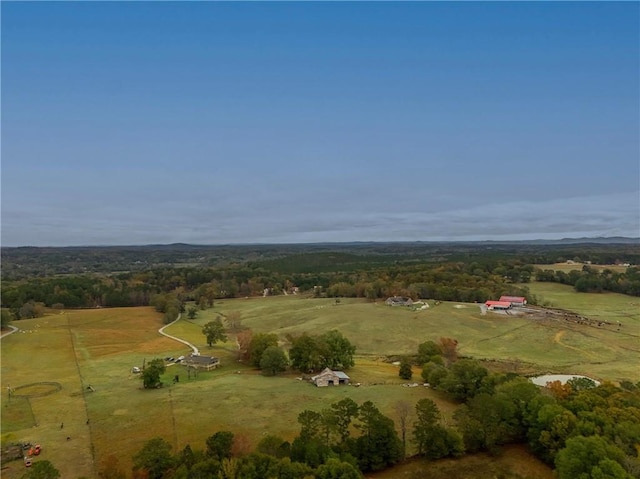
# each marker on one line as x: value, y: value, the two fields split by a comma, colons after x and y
x: 465, y: 273
x: 447, y: 282
x: 585, y: 430
x: 592, y: 280
x: 29, y: 262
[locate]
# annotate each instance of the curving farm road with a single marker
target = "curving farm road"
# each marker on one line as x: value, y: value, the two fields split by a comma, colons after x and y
x: 161, y: 331
x: 7, y: 333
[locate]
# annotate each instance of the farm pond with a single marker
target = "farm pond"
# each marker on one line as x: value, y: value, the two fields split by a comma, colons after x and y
x: 563, y: 378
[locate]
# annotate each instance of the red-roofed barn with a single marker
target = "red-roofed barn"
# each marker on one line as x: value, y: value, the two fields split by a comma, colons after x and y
x: 491, y: 305
x: 514, y: 300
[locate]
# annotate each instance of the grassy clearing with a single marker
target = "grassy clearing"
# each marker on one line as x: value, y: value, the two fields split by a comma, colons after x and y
x: 566, y: 267
x: 527, y: 345
x: 16, y: 414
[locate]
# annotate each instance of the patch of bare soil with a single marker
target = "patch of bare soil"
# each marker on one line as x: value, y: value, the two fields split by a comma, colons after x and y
x: 556, y: 314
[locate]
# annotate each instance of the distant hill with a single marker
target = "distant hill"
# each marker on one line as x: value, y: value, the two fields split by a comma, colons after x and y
x: 568, y: 241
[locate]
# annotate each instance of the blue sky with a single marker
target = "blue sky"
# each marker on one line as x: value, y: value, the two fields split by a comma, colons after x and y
x: 206, y: 122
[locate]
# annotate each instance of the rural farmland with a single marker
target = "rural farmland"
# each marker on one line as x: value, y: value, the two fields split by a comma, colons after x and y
x: 100, y: 408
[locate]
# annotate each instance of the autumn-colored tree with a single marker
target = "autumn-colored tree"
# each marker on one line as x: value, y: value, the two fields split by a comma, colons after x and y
x: 449, y: 349
x: 241, y: 445
x: 110, y: 469
x: 244, y: 342
x: 234, y: 321
x: 558, y: 390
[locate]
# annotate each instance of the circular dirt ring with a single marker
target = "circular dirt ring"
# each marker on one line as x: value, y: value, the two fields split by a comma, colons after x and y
x: 36, y: 390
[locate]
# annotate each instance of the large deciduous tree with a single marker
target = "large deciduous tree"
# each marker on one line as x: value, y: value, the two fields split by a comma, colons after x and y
x: 259, y: 344
x: 336, y: 351
x: 304, y: 354
x: 154, y: 459
x: 329, y: 350
x: 31, y: 309
x: 405, y: 371
x: 486, y: 422
x: 427, y: 351
x: 214, y: 332
x: 590, y: 458
x: 464, y: 379
x: 152, y: 372
x: 273, y: 361
x: 219, y: 445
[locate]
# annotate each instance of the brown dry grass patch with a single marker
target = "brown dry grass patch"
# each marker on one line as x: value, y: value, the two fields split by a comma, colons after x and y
x: 513, y: 463
x: 104, y: 332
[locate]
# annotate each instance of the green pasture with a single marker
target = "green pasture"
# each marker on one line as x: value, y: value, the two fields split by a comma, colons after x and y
x: 566, y: 267
x: 105, y: 411
x: 86, y: 349
x: 604, y: 306
x: 525, y: 345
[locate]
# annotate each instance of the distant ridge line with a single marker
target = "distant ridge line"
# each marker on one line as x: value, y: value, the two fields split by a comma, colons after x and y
x: 563, y: 241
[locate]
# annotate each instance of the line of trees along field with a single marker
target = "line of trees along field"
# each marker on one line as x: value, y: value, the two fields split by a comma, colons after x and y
x: 476, y: 281
x: 592, y: 280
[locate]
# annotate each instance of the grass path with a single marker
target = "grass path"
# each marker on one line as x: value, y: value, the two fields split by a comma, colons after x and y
x: 558, y: 340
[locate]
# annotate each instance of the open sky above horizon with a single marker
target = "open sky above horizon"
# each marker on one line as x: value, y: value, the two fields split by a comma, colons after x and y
x: 286, y: 122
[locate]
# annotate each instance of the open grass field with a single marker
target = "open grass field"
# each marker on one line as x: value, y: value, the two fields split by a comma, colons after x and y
x: 527, y: 345
x: 566, y: 267
x: 97, y: 348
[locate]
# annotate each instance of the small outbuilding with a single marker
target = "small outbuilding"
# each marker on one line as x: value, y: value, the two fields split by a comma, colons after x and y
x: 201, y: 362
x: 330, y: 378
